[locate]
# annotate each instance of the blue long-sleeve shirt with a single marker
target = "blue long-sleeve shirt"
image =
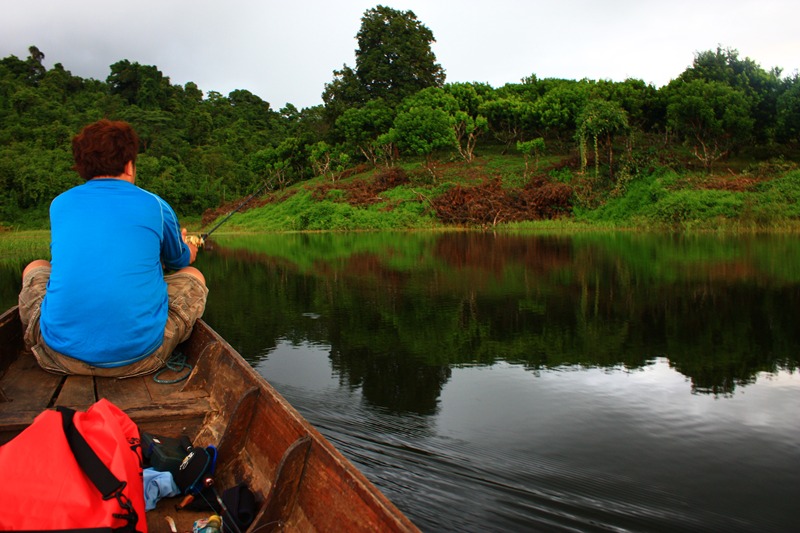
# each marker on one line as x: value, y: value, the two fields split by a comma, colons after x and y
x: 106, y: 301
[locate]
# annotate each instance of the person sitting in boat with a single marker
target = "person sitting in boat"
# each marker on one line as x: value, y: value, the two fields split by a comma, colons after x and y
x: 104, y: 306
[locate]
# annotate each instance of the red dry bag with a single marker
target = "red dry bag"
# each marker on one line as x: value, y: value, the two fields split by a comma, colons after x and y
x: 73, y: 470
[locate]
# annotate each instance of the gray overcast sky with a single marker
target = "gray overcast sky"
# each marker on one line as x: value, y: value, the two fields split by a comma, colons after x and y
x: 286, y: 51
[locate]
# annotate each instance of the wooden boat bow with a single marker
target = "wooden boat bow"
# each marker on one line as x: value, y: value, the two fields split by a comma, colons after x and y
x: 301, y: 482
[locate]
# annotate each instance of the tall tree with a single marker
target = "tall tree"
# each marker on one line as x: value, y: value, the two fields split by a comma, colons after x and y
x: 36, y: 69
x: 394, y: 59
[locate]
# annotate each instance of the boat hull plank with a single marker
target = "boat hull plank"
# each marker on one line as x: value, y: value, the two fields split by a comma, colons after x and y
x: 77, y: 393
x: 283, y: 495
x: 127, y: 393
x: 27, y: 391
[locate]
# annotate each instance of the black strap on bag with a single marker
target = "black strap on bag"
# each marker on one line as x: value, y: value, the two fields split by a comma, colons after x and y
x: 99, y: 474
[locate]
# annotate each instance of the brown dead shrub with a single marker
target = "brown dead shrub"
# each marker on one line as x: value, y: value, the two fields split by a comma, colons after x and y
x: 489, y: 203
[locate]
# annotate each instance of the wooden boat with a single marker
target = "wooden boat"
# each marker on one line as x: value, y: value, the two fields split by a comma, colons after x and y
x: 301, y: 482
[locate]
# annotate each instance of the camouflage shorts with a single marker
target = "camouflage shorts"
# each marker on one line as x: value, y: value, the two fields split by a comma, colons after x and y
x: 187, y: 302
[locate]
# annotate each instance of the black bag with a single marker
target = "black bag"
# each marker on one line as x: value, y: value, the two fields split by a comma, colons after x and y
x: 189, y: 465
x: 164, y: 454
x: 198, y: 466
x: 237, y: 503
x: 241, y: 505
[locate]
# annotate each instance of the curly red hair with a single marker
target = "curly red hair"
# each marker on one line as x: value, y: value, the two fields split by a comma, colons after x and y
x: 103, y: 148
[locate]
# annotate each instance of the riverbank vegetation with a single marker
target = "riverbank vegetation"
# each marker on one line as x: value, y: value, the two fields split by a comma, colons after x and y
x: 395, y: 146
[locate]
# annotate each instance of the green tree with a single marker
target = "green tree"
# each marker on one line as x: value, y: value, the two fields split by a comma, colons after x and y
x: 711, y: 117
x: 556, y: 111
x: 533, y: 147
x: 362, y: 126
x: 469, y: 124
x: 141, y: 85
x: 394, y: 59
x: 788, y: 111
x: 601, y: 119
x: 199, y: 124
x: 759, y: 87
x: 458, y: 102
x: 421, y: 130
x: 16, y: 68
x: 327, y: 160
x: 247, y: 106
x: 639, y: 100
x: 282, y: 164
x: 59, y: 84
x: 343, y: 93
x: 507, y: 118
x: 36, y: 70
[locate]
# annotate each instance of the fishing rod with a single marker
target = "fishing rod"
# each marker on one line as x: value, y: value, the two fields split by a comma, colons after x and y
x: 200, y: 241
x: 204, y: 236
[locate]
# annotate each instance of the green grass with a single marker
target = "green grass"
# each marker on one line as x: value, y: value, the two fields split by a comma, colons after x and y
x: 401, y: 209
x: 16, y: 246
x: 684, y: 206
x: 666, y: 199
x: 661, y: 200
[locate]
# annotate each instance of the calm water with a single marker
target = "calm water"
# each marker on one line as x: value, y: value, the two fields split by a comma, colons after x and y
x: 517, y: 383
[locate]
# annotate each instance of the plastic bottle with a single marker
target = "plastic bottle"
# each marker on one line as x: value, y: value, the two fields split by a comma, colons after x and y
x: 212, y: 524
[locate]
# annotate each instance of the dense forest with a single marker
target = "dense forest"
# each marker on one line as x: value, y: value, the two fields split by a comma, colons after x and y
x: 393, y: 107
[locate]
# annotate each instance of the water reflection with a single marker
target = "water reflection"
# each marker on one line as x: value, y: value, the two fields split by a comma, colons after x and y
x: 399, y: 311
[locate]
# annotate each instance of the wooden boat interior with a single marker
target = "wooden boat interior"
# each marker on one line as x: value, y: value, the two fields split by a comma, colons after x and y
x: 301, y: 482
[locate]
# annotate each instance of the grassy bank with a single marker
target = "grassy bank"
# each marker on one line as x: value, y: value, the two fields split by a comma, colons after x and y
x: 498, y: 192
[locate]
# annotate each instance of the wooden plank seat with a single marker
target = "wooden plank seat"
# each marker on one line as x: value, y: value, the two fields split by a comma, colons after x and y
x: 27, y: 390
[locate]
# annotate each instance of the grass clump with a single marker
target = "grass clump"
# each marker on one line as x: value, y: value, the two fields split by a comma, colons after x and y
x: 398, y: 209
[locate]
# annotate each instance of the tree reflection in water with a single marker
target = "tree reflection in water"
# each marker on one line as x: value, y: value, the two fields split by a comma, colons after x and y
x: 400, y: 310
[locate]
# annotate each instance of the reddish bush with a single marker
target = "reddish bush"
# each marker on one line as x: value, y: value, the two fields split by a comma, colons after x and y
x: 488, y: 203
